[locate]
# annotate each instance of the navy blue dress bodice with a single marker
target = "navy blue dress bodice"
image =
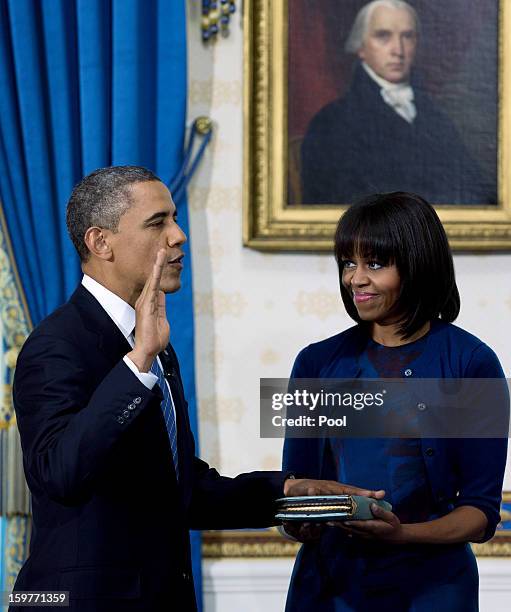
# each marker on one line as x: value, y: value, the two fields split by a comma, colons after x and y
x: 423, y: 479
x: 393, y: 464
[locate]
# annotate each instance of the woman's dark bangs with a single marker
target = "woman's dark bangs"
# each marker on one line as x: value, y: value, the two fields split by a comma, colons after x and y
x: 366, y: 237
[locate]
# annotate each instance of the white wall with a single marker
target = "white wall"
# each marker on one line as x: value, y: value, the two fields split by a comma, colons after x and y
x: 253, y: 310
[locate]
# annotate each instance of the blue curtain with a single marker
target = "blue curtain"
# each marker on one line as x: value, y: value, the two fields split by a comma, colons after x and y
x: 86, y: 84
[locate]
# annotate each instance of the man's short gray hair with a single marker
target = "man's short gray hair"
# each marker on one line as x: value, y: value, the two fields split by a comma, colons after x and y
x: 358, y: 30
x: 100, y: 199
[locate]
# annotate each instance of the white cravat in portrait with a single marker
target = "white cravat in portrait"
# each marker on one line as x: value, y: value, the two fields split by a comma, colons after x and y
x: 399, y: 96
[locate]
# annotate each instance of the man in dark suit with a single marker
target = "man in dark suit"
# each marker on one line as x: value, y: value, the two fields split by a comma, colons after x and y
x: 108, y: 451
x: 386, y: 134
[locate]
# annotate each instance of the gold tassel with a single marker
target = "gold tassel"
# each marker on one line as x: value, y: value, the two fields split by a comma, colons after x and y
x: 216, y: 17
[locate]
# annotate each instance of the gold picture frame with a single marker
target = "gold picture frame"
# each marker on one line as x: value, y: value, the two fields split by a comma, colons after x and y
x: 269, y: 224
x: 269, y: 543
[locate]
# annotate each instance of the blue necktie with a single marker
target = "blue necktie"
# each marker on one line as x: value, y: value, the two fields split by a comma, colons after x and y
x: 167, y: 408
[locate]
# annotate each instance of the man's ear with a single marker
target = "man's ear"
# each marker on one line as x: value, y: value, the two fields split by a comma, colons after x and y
x: 361, y: 53
x: 97, y: 242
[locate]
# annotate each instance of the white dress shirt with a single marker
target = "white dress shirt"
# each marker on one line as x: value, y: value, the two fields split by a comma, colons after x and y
x: 123, y: 315
x: 399, y: 96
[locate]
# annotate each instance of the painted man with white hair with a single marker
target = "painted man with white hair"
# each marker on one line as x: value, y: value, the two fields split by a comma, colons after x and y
x: 386, y: 134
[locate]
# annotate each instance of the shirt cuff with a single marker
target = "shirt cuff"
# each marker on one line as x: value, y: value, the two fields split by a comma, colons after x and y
x: 148, y: 379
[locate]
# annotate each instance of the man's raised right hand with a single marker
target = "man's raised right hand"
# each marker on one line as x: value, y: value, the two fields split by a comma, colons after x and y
x: 152, y: 326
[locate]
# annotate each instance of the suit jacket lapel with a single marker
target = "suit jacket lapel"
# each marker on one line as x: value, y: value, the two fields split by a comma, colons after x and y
x: 110, y: 339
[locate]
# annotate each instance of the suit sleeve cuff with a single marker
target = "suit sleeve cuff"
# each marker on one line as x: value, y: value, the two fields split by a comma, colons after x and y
x: 148, y: 379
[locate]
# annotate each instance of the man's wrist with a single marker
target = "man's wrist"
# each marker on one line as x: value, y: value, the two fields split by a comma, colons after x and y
x: 143, y: 361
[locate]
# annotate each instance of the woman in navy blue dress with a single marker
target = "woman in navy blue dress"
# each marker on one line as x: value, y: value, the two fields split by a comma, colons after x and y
x: 397, y: 282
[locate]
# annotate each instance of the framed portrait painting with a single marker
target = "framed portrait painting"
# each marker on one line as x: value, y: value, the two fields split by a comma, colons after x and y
x: 345, y: 99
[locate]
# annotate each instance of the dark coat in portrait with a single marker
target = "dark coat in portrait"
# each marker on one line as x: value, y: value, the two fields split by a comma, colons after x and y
x: 358, y: 145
